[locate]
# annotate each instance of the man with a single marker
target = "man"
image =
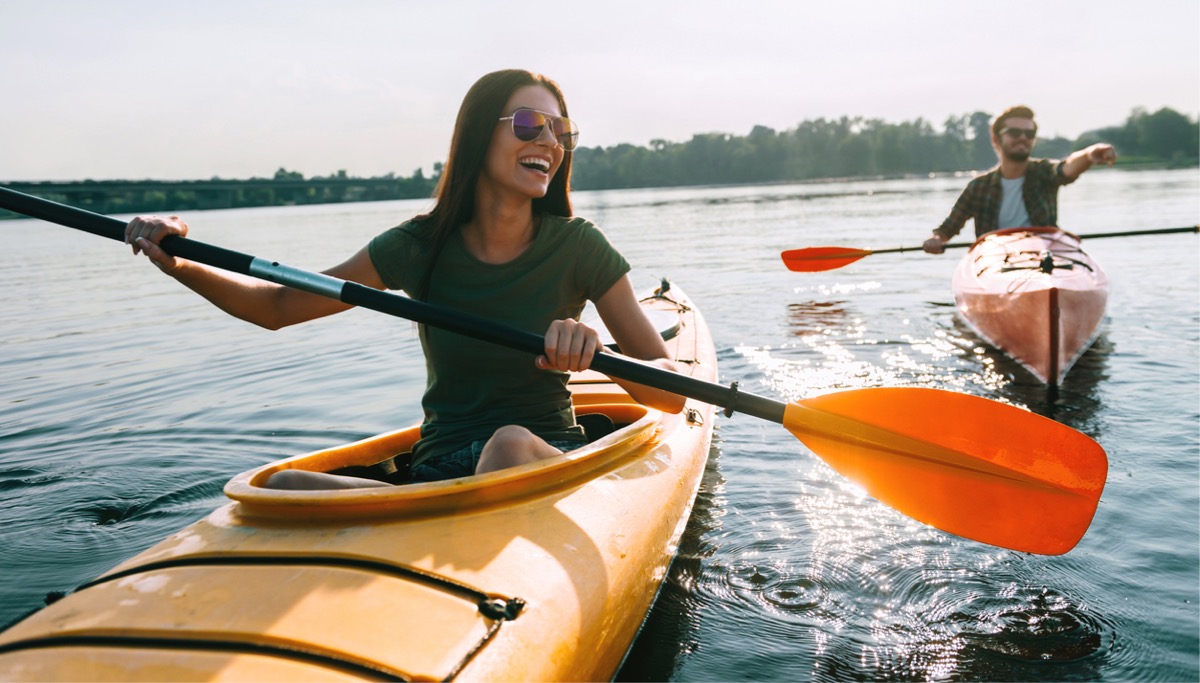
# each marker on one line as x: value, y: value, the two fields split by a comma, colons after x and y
x: 1020, y: 191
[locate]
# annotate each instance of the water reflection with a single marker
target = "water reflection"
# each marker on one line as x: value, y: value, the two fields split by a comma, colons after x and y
x: 860, y: 591
x: 816, y: 317
x: 1076, y: 402
x: 865, y: 592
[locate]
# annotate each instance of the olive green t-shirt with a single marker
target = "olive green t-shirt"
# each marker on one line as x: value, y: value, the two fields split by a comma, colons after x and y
x: 475, y: 387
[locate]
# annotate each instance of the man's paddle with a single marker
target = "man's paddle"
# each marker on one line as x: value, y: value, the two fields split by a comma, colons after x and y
x: 970, y: 466
x: 816, y: 259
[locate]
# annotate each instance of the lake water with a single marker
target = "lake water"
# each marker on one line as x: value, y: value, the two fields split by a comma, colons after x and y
x: 128, y: 402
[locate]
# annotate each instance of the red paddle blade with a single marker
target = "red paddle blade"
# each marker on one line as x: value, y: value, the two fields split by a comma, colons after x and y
x: 967, y: 465
x: 816, y: 259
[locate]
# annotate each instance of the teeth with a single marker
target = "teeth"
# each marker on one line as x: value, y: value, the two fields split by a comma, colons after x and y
x: 535, y: 162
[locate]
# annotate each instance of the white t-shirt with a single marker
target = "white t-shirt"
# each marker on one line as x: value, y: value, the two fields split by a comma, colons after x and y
x: 1012, y: 203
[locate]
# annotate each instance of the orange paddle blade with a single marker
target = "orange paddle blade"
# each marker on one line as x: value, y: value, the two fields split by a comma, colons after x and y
x: 976, y: 468
x: 816, y: 259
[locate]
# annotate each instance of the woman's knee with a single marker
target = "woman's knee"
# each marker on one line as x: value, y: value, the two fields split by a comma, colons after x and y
x: 510, y: 446
x: 287, y: 479
x: 511, y: 437
x: 301, y: 480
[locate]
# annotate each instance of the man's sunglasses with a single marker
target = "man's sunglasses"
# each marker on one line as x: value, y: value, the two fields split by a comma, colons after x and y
x: 1028, y: 133
x: 527, y: 125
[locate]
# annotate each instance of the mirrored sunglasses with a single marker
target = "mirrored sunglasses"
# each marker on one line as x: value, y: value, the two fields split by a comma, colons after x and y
x: 527, y: 125
x: 1027, y: 133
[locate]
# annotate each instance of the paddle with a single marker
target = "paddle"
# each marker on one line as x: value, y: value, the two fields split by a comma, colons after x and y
x: 973, y: 467
x: 816, y: 259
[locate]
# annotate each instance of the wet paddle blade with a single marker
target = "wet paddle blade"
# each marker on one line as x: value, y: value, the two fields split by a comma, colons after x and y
x: 976, y: 468
x: 816, y: 259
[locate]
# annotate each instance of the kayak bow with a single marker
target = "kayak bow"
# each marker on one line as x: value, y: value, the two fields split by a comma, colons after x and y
x: 538, y: 572
x: 1034, y: 294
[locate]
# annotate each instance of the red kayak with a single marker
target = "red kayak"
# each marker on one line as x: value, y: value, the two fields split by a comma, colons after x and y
x: 1034, y: 294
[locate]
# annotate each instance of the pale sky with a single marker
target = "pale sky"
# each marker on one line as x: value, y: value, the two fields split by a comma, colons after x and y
x: 166, y: 89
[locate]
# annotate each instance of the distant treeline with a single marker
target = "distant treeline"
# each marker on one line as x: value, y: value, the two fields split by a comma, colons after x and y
x: 842, y: 148
x: 286, y: 188
x: 851, y: 147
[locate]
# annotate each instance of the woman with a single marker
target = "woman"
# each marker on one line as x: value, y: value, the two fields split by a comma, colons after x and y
x: 500, y: 243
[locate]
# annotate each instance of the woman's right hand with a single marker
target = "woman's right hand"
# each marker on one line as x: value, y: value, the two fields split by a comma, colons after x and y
x: 144, y: 233
x: 570, y: 346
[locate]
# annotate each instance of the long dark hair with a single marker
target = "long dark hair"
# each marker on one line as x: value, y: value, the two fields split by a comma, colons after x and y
x: 473, y: 129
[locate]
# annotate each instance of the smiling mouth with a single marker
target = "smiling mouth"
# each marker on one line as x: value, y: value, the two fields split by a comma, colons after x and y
x: 535, y: 164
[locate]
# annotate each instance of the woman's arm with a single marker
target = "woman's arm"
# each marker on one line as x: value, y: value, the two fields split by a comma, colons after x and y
x: 263, y: 303
x: 633, y: 332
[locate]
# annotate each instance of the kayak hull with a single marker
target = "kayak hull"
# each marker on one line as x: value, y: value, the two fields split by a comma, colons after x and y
x: 539, y: 572
x: 1034, y: 294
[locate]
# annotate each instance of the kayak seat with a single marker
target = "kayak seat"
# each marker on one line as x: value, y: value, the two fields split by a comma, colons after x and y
x: 595, y: 425
x: 395, y: 470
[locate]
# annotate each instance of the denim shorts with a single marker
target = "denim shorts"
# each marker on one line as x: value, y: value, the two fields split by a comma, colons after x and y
x: 462, y: 462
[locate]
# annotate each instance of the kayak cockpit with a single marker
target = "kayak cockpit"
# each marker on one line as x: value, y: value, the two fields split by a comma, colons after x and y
x: 636, y: 430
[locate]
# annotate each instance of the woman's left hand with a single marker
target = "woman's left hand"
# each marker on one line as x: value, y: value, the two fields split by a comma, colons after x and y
x: 570, y: 346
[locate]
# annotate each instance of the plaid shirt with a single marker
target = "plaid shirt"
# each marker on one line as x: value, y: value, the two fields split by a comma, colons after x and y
x: 981, y: 199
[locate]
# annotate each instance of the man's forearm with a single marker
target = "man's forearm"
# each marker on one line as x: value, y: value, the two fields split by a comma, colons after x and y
x: 1082, y: 160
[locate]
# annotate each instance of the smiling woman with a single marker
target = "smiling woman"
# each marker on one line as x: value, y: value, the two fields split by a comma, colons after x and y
x: 500, y: 242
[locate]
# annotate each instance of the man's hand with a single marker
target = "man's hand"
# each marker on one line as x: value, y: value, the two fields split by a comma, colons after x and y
x: 1082, y: 160
x: 1102, y: 153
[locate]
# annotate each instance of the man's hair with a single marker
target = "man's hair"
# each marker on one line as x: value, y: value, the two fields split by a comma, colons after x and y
x: 1019, y: 111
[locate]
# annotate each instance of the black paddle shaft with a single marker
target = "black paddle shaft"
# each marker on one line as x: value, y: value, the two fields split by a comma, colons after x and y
x: 1092, y: 236
x: 393, y: 304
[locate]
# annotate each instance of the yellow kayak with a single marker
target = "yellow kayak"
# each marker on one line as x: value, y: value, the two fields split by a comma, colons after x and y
x: 540, y: 572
